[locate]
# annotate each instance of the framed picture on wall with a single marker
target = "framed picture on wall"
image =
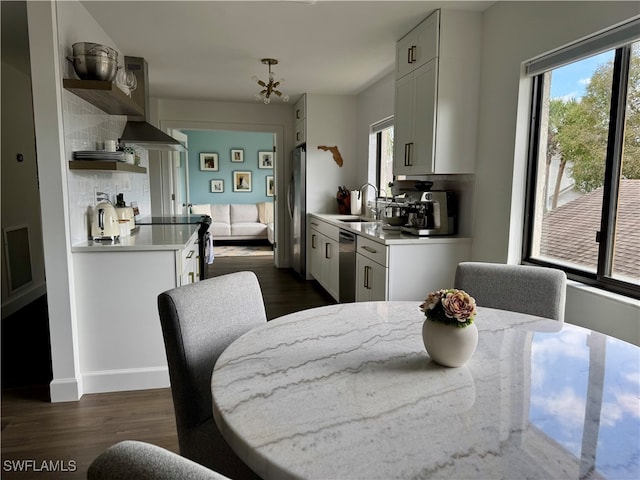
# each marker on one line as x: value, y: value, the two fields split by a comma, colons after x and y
x: 242, y: 181
x: 265, y: 159
x: 270, y: 186
x: 209, y: 161
x: 217, y: 186
x: 237, y: 155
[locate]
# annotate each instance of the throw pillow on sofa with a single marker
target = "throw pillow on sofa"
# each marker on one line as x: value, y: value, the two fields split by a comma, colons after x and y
x: 220, y: 220
x: 203, y: 209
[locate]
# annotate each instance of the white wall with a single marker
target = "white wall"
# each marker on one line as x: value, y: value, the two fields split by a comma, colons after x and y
x: 514, y: 32
x: 86, y: 127
x: 47, y: 105
x: 277, y: 117
x: 20, y: 196
x: 374, y: 104
x: 62, y: 123
x: 234, y: 116
x: 331, y: 121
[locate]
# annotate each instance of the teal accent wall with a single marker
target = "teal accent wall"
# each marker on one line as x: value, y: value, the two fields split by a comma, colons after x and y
x: 222, y: 142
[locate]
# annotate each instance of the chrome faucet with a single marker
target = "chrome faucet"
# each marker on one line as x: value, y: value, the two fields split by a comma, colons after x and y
x: 374, y: 207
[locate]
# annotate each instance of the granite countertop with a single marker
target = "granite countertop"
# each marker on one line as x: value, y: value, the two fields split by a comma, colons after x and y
x: 144, y: 238
x: 375, y: 231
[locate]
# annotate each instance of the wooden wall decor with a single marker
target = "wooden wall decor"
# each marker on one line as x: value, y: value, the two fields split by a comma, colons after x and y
x: 335, y: 152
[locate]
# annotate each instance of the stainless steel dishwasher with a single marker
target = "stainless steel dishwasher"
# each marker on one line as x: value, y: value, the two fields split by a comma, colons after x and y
x: 347, y: 267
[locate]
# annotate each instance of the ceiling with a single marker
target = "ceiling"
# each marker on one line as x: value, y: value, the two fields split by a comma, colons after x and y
x: 209, y: 50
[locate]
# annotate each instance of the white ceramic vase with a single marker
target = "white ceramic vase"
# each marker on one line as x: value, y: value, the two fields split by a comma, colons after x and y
x: 449, y: 345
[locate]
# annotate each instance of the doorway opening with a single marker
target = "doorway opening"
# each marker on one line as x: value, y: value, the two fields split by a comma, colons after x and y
x: 227, y: 166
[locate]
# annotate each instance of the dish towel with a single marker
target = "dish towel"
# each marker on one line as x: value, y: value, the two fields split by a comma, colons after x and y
x: 209, y: 249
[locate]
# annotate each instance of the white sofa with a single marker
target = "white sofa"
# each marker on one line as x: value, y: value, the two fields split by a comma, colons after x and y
x: 252, y: 221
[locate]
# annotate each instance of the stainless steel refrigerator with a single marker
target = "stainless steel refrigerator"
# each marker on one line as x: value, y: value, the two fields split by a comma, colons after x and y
x: 297, y: 195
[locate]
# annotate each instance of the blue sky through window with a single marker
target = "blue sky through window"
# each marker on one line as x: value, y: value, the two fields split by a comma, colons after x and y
x: 571, y: 80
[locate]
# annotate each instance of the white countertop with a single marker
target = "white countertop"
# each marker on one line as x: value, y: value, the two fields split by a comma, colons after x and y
x: 144, y: 238
x: 348, y: 391
x: 375, y: 231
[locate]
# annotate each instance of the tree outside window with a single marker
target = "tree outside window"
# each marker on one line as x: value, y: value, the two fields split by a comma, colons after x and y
x: 384, y: 160
x: 586, y: 191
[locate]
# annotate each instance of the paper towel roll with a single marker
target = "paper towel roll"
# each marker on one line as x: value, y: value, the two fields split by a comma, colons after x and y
x: 356, y: 202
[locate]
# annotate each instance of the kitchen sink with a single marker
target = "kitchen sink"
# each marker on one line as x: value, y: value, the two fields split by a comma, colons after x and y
x: 355, y: 220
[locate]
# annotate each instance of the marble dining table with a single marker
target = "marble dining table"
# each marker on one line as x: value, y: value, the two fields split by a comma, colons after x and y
x: 348, y: 391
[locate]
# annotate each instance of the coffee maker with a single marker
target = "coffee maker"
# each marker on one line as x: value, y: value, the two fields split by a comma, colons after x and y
x: 435, y: 214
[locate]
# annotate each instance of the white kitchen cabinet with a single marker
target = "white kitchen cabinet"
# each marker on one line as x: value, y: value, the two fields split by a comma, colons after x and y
x: 415, y: 121
x: 406, y: 271
x: 371, y: 270
x: 117, y: 287
x: 415, y: 270
x: 371, y: 280
x: 390, y: 265
x: 324, y: 255
x: 189, y: 264
x: 314, y: 252
x: 418, y: 46
x: 300, y: 120
x: 436, y: 107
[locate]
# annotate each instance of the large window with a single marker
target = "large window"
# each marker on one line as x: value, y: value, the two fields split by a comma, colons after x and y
x: 584, y: 174
x: 383, y: 133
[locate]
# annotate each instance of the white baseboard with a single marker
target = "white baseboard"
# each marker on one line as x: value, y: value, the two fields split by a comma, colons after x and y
x: 126, y: 379
x: 65, y: 390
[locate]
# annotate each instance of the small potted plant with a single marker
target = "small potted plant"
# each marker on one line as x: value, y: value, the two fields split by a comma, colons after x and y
x: 449, y: 332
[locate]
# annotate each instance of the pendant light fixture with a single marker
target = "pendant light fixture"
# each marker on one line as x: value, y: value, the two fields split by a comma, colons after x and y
x: 271, y: 87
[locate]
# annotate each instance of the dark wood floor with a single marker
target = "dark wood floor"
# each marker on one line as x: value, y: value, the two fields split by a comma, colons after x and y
x: 283, y: 290
x: 74, y: 433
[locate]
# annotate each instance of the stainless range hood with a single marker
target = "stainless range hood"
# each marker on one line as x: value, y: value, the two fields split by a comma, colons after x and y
x: 138, y: 131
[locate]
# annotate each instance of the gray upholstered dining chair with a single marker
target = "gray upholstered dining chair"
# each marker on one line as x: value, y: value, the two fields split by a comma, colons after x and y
x: 518, y: 288
x: 134, y: 460
x: 198, y: 322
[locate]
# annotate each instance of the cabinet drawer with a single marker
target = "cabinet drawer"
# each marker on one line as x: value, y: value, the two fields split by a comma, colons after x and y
x: 372, y: 250
x: 188, y: 254
x: 325, y: 228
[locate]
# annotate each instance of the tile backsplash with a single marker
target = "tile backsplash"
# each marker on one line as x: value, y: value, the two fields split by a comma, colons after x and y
x: 86, y: 128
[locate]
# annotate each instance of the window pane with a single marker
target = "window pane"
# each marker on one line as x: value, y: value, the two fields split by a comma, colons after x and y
x: 386, y: 161
x: 571, y: 162
x: 626, y: 257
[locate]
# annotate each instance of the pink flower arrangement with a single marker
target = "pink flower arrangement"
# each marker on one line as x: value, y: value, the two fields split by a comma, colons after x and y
x: 452, y: 307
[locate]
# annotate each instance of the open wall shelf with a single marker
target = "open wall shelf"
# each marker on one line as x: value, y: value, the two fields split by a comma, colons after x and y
x: 104, y: 95
x: 108, y: 165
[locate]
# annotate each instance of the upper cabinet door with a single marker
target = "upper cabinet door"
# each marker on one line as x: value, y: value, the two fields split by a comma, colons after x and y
x: 403, y: 126
x: 436, y: 103
x: 300, y: 119
x: 300, y: 109
x: 427, y: 34
x: 418, y: 46
x: 415, y: 117
x: 424, y: 119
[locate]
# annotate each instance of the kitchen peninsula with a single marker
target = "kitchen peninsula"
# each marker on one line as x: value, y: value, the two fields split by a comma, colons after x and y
x: 389, y: 264
x: 120, y: 340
